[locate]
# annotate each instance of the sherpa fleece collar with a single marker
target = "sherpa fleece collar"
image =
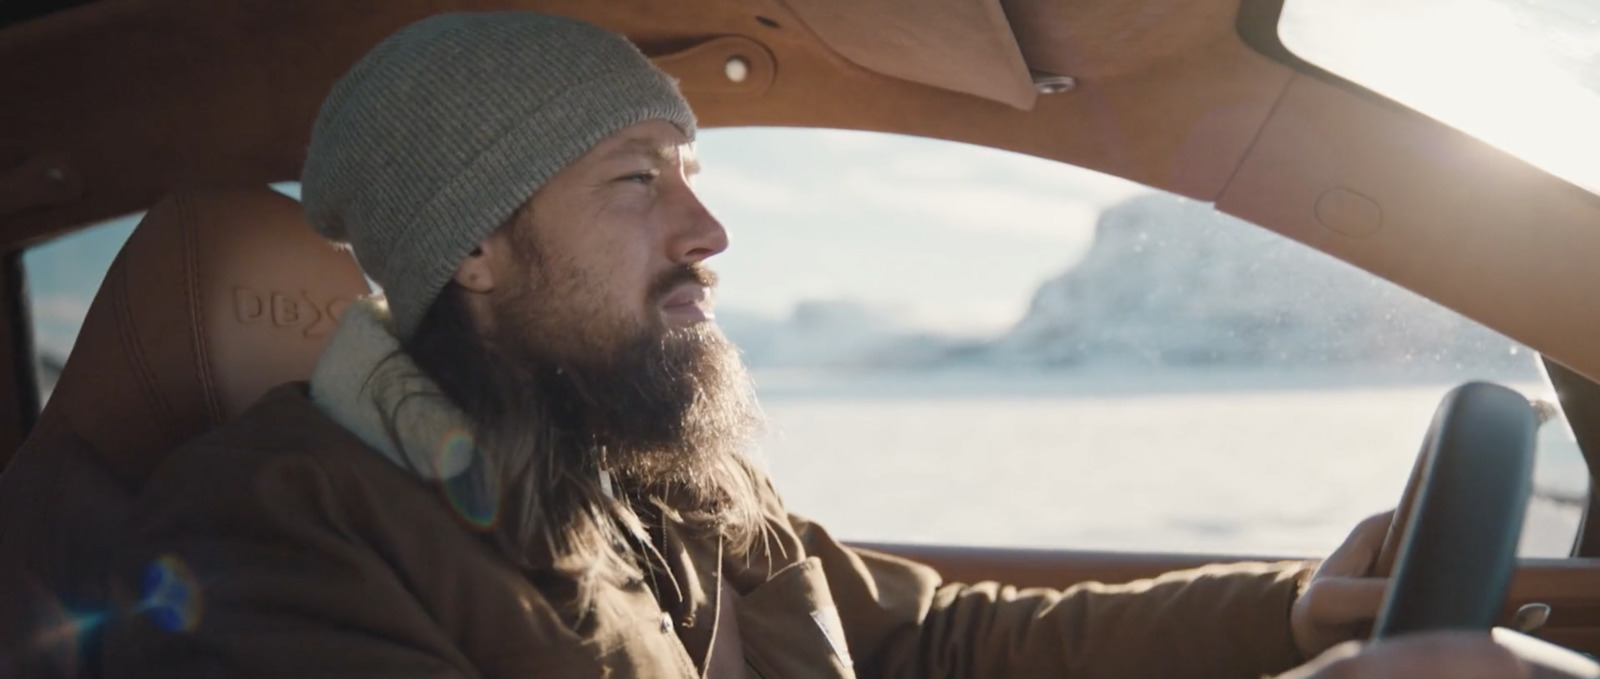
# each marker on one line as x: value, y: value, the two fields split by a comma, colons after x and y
x: 364, y: 377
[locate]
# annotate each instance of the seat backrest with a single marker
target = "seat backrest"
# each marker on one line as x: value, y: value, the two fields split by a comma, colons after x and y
x: 218, y: 296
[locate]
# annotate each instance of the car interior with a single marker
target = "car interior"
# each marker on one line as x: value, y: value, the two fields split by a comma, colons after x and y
x: 219, y: 296
x: 190, y: 108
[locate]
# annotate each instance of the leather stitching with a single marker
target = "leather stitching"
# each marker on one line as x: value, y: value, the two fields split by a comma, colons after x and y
x: 197, y: 328
x: 145, y: 377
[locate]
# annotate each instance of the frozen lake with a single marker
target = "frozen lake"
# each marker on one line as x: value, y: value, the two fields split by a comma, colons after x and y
x: 1253, y: 464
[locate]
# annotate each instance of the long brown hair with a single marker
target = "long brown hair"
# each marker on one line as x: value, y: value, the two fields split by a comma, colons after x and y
x: 535, y: 484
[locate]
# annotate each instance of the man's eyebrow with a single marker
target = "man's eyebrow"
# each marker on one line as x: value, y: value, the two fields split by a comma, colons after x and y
x: 657, y: 151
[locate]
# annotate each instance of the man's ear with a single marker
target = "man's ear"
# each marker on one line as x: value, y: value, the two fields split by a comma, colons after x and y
x: 476, y: 273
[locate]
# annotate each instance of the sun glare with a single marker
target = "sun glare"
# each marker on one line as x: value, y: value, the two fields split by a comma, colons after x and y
x: 1476, y: 65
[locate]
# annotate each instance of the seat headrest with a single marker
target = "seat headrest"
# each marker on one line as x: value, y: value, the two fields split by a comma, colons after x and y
x: 218, y: 296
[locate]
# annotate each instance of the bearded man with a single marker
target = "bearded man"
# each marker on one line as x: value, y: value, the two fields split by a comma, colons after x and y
x: 529, y: 458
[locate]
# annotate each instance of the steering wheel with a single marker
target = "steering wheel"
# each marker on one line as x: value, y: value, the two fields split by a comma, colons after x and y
x: 1453, y: 544
x: 1457, y: 543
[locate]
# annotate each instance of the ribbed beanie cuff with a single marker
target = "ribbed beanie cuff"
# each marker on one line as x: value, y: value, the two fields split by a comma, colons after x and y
x: 437, y: 136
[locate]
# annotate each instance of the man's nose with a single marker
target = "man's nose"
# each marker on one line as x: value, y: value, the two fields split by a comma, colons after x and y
x: 699, y: 235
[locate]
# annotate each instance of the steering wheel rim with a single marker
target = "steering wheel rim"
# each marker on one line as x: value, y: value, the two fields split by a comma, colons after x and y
x: 1458, y: 546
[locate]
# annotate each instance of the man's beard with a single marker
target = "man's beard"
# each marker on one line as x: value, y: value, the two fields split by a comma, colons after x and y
x: 557, y: 401
x: 670, y: 412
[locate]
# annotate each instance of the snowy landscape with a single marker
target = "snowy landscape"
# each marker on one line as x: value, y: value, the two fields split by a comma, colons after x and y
x: 1193, y: 384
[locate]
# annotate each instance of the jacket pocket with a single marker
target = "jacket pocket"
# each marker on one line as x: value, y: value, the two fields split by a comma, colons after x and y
x: 790, y: 627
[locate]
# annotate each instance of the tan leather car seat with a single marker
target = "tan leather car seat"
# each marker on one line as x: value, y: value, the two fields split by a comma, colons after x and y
x: 218, y: 296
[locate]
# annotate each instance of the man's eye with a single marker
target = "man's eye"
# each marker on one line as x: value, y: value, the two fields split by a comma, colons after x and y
x: 641, y: 177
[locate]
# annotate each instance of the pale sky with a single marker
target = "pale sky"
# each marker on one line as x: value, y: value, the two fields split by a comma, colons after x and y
x: 944, y: 235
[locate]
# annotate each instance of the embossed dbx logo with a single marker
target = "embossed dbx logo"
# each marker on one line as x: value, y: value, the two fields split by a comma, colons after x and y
x: 288, y: 311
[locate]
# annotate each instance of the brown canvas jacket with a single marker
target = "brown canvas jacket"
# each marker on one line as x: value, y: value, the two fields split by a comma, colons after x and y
x: 305, y: 553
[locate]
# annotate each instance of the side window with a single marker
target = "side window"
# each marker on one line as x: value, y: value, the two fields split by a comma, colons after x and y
x: 959, y: 345
x: 1560, y: 487
x: 63, y: 276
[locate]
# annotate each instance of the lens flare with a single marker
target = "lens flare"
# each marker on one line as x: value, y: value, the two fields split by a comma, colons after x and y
x: 57, y: 640
x: 170, y: 595
x: 67, y: 633
x: 473, y: 495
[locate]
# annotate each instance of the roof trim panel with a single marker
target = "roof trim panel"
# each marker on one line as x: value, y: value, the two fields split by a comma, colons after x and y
x: 960, y: 45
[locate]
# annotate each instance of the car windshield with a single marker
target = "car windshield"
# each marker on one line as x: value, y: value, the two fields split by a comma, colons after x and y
x: 1523, y: 75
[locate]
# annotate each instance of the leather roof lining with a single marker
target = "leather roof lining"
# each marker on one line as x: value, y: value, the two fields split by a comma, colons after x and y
x: 959, y: 45
x: 18, y: 11
x: 224, y: 92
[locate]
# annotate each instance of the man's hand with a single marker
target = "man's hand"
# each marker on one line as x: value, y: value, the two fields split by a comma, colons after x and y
x: 1342, y: 599
x: 1453, y: 655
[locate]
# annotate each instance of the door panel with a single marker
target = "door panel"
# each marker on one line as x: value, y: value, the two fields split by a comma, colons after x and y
x: 1571, y: 587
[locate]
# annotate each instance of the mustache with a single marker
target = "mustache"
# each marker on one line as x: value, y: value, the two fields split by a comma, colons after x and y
x: 681, y: 274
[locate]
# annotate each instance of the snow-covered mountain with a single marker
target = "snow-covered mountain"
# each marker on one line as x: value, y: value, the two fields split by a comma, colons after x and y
x: 1168, y: 282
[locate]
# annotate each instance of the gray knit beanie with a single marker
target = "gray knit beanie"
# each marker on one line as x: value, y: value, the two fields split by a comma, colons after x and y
x: 443, y: 130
